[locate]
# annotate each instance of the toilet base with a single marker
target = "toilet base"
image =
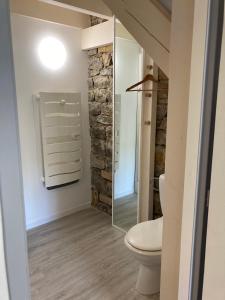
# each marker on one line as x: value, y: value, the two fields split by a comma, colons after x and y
x: 148, y: 281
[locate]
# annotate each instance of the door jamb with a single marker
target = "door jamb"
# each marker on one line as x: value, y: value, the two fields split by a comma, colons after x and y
x: 11, y: 196
x: 208, y: 115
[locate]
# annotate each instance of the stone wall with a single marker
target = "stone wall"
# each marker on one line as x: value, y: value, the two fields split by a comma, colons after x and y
x: 100, y: 81
x: 96, y: 20
x: 160, y: 141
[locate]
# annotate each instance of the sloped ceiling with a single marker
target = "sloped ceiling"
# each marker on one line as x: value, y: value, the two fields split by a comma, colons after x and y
x: 149, y: 23
x: 95, y: 6
x: 167, y: 4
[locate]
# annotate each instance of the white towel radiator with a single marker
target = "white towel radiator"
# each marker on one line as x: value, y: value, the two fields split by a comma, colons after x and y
x: 60, y: 130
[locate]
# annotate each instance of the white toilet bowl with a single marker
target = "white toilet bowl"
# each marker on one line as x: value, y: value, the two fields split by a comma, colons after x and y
x: 144, y: 240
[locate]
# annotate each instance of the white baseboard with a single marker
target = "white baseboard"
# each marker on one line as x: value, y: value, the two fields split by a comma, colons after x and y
x: 57, y: 216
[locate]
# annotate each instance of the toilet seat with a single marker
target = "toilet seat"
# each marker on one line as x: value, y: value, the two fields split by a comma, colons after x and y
x: 146, y: 236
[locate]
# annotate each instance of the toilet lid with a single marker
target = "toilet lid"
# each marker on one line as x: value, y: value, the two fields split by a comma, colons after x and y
x: 146, y: 236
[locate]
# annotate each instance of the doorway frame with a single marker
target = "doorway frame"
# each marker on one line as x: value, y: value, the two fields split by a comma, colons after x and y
x: 207, y: 130
x: 11, y: 195
x: 195, y: 197
x: 139, y: 143
x: 11, y: 187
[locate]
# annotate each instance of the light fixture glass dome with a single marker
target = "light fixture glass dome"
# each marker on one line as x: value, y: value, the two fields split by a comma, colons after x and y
x: 52, y: 53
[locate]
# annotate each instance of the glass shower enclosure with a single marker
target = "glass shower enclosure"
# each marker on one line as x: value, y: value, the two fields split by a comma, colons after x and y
x: 127, y: 110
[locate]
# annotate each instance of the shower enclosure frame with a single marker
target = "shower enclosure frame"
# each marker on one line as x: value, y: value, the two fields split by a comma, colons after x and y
x: 146, y: 127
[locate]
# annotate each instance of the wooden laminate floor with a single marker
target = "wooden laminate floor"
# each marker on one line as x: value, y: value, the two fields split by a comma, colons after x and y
x: 125, y: 212
x: 81, y: 257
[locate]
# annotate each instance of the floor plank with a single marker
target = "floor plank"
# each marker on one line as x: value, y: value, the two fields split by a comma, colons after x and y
x: 81, y: 257
x: 125, y: 212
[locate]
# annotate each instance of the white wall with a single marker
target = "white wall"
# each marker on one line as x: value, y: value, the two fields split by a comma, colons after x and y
x: 42, y: 205
x: 3, y: 279
x: 126, y: 73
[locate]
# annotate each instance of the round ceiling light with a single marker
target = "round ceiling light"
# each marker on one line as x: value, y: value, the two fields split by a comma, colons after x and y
x: 52, y: 53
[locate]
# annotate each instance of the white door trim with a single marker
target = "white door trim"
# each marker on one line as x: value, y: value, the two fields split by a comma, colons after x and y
x: 202, y: 103
x: 11, y: 196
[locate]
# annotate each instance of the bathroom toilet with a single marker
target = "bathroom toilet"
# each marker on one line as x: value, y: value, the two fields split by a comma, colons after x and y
x: 144, y: 240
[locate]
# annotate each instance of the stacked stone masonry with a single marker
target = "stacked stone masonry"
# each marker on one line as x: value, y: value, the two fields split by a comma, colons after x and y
x: 96, y: 20
x: 100, y: 82
x: 160, y: 140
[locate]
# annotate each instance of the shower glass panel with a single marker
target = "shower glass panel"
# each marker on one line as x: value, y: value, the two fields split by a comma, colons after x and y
x: 128, y: 62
